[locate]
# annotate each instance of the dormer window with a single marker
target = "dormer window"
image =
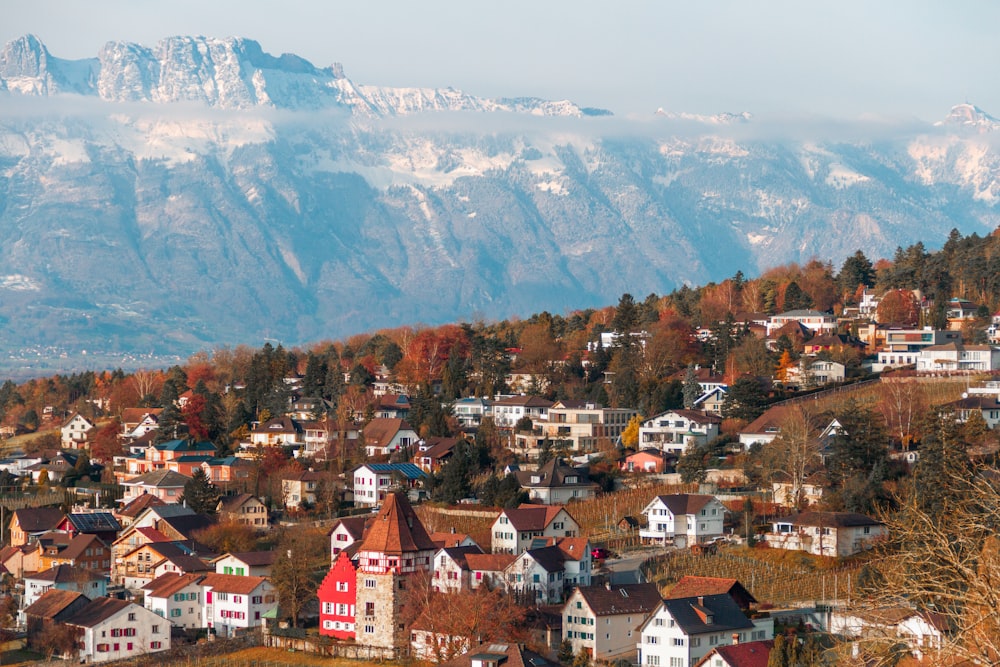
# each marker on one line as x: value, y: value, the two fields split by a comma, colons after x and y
x: 535, y: 479
x: 572, y: 479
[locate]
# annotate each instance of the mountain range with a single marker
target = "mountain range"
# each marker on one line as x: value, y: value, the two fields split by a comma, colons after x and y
x: 158, y: 201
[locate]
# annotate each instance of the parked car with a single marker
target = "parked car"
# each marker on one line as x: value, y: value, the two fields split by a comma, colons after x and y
x: 600, y: 553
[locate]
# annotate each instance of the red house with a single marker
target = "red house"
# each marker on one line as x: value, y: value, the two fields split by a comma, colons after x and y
x: 337, y: 597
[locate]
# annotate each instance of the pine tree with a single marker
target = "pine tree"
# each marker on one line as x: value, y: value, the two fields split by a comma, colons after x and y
x: 692, y: 389
x: 200, y: 494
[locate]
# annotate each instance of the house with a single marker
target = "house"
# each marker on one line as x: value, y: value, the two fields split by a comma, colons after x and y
x: 227, y: 470
x: 82, y: 550
x: 55, y: 467
x: 433, y: 452
x: 451, y: 539
x: 234, y: 603
x: 648, y: 460
x: 711, y: 401
x: 681, y: 631
x: 134, y: 508
x: 814, y: 320
x: 147, y: 562
x: 690, y: 586
x: 956, y: 356
x: 385, y: 436
x: 601, y: 620
x: 395, y: 547
x: 556, y: 483
x: 808, y: 491
x: 986, y: 405
x: 836, y: 534
x: 243, y: 509
x: 488, y: 569
x: 470, y: 411
x: 391, y: 406
x: 683, y: 519
x: 674, y: 430
x: 740, y: 654
x: 166, y: 485
x: 30, y: 522
x: 277, y: 432
x: 52, y: 608
x: 923, y: 632
x: 585, y: 426
x: 75, y: 431
x: 299, y: 488
x: 507, y: 411
x: 102, y: 524
x: 514, y: 529
x: 338, y: 598
x: 20, y: 559
x: 577, y: 560
x: 112, y: 629
x: 137, y: 422
x: 246, y: 563
x: 176, y: 597
x: 346, y: 532
x: 537, y: 576
x: 451, y: 569
x: 812, y: 372
x: 63, y: 578
x: 902, y: 346
x: 500, y: 654
x: 372, y: 481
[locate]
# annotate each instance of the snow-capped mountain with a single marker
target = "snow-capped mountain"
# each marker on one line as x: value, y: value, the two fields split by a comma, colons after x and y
x: 203, y: 192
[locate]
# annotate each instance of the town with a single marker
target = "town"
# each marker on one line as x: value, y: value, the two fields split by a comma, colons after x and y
x: 797, y: 469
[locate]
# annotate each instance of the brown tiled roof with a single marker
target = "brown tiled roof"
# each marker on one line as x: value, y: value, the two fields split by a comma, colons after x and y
x: 152, y: 534
x: 525, y: 401
x: 445, y: 540
x: 79, y: 544
x: 771, y: 421
x: 99, y: 610
x: 139, y: 505
x: 136, y: 415
x: 516, y: 656
x: 554, y: 474
x: 489, y: 562
x: 379, y: 431
x: 160, y: 479
x: 622, y: 599
x: 37, y: 519
x: 691, y: 586
x: 254, y: 558
x: 66, y: 573
x: 232, y: 583
x: 231, y: 503
x: 574, y: 548
x: 532, y: 517
x: 396, y: 529
x: 166, y: 585
x: 52, y: 602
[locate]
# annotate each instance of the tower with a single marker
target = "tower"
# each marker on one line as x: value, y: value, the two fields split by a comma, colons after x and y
x: 395, y: 547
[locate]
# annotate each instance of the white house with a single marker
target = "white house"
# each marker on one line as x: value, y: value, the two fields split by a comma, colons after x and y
x: 584, y: 425
x: 113, y: 629
x: 922, y: 632
x: 814, y: 320
x: 514, y: 529
x: 835, y: 534
x: 812, y: 372
x: 345, y: 532
x: 177, y: 598
x: 903, y: 346
x: 601, y: 620
x: 508, y: 410
x: 373, y: 480
x: 681, y: 631
x: 166, y: 485
x: 673, y: 431
x: 64, y: 578
x: 537, y: 576
x: 234, y: 603
x: 383, y: 436
x: 556, y: 483
x: 683, y: 519
x: 958, y: 357
x: 451, y: 569
x: 246, y: 563
x: 470, y: 411
x: 74, y: 431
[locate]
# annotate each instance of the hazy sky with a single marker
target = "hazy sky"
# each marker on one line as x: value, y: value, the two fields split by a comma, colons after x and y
x: 841, y: 58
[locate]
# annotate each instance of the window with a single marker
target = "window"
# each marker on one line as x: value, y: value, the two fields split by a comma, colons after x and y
x: 653, y: 660
x: 342, y: 586
x: 156, y: 629
x: 677, y: 662
x: 131, y: 616
x: 369, y: 583
x: 369, y: 609
x: 155, y: 644
x: 369, y: 629
x: 658, y: 622
x: 327, y: 607
x: 652, y: 639
x: 678, y: 641
x: 174, y: 613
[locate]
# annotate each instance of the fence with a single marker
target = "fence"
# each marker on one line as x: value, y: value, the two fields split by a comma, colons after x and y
x: 329, y: 648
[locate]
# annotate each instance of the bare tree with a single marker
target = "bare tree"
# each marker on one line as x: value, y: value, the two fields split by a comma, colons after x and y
x: 796, y: 451
x: 902, y: 403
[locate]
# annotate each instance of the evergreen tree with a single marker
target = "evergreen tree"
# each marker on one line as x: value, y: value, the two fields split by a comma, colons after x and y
x: 746, y: 400
x: 692, y: 389
x: 200, y: 494
x: 943, y: 467
x: 565, y: 655
x: 796, y: 298
x: 856, y: 270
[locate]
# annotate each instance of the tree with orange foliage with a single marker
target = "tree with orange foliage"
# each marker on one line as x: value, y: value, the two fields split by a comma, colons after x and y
x: 898, y: 308
x: 427, y: 353
x: 784, y: 363
x: 105, y: 442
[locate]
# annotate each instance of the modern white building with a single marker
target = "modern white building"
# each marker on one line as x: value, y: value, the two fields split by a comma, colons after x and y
x: 674, y: 431
x: 958, y: 357
x: 681, y: 631
x: 683, y: 519
x: 814, y: 320
x: 835, y: 534
x: 373, y: 480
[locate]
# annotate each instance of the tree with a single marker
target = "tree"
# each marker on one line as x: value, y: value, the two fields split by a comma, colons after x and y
x: 692, y: 388
x: 200, y: 494
x: 303, y: 559
x: 796, y: 298
x: 795, y: 452
x: 228, y: 537
x: 745, y: 400
x: 898, y: 308
x: 630, y: 436
x: 565, y: 655
x: 693, y: 463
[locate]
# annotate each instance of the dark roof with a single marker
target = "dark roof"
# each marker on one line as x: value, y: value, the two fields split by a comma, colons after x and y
x: 97, y: 611
x: 253, y: 558
x: 552, y: 559
x: 61, y: 574
x: 458, y: 554
x: 408, y: 470
x: 680, y: 504
x: 621, y: 599
x: 188, y: 525
x: 532, y: 517
x: 711, y: 613
x: 553, y: 474
x: 354, y: 525
x: 524, y: 401
x: 52, y: 603
x: 38, y: 519
x: 94, y: 522
x: 396, y: 529
x: 829, y: 519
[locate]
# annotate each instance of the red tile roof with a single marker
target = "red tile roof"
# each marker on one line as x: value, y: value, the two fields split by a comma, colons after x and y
x: 747, y: 654
x: 396, y: 529
x: 232, y: 583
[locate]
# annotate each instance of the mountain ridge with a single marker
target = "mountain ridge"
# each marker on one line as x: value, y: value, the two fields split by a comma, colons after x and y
x: 212, y: 193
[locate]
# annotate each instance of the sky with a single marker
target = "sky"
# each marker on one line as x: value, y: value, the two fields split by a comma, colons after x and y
x: 782, y: 58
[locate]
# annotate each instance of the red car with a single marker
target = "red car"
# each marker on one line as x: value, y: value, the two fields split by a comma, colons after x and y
x: 599, y: 553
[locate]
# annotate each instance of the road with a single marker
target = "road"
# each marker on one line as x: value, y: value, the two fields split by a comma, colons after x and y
x: 624, y: 570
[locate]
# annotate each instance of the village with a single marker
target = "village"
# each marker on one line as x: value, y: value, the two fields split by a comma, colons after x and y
x: 755, y: 519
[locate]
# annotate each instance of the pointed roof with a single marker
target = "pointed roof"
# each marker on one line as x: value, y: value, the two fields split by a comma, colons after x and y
x: 53, y: 602
x: 38, y: 519
x: 160, y: 479
x: 397, y: 529
x: 744, y: 654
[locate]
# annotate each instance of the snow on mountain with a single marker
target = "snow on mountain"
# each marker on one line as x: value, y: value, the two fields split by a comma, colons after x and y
x: 970, y: 116
x: 228, y: 194
x: 724, y: 118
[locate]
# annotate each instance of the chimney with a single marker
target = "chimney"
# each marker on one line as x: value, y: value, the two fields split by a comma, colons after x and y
x: 736, y: 638
x: 701, y: 600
